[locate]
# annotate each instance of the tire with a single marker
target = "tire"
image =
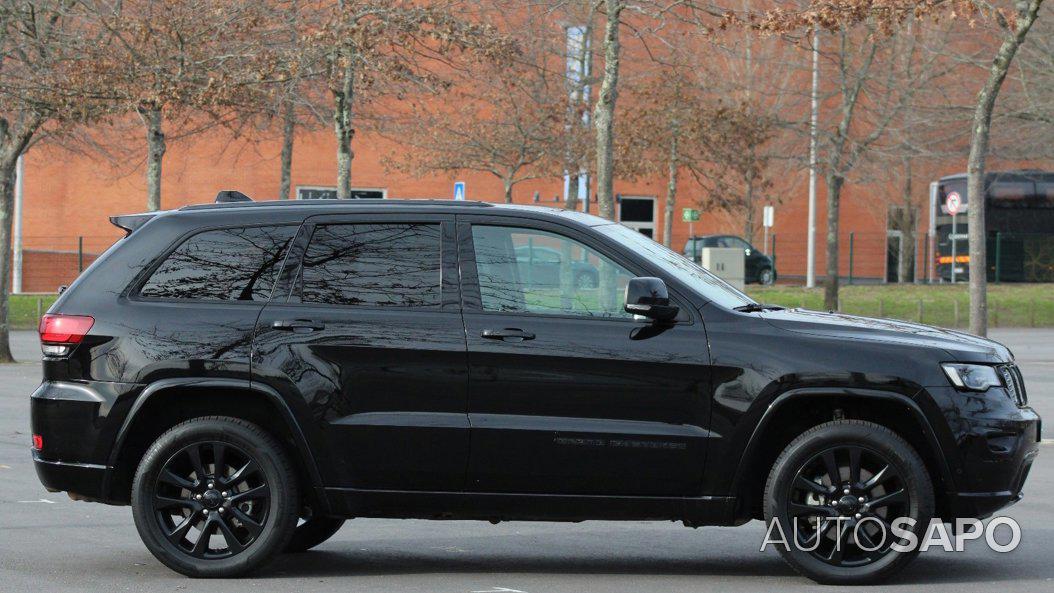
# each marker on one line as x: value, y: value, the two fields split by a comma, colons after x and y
x: 903, y: 488
x: 766, y: 277
x: 312, y: 532
x: 177, y: 494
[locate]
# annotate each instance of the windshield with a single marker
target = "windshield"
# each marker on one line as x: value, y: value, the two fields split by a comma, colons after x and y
x: 706, y: 284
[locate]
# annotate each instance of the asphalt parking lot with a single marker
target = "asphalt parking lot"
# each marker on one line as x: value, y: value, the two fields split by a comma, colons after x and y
x: 50, y: 543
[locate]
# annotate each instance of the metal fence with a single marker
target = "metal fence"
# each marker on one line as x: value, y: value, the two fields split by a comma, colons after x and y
x: 48, y: 262
x: 868, y: 257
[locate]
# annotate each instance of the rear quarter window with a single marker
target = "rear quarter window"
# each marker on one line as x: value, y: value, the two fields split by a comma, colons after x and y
x: 235, y: 264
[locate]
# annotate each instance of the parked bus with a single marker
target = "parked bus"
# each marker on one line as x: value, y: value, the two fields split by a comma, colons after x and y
x: 1019, y: 227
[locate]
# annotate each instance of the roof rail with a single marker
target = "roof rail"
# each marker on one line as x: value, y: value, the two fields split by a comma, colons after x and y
x: 231, y: 195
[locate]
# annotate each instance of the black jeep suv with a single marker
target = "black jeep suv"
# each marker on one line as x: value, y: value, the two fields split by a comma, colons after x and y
x: 249, y: 375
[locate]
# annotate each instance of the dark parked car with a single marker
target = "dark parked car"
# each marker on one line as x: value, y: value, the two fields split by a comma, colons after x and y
x: 543, y: 266
x: 758, y: 267
x: 249, y: 375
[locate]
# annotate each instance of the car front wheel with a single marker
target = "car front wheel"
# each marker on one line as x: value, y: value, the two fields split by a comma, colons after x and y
x: 215, y: 497
x: 836, y: 491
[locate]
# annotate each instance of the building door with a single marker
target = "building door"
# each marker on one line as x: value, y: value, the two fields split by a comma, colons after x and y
x: 638, y: 213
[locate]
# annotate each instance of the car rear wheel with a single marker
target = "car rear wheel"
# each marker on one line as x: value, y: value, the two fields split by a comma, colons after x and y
x: 215, y: 497
x: 836, y: 490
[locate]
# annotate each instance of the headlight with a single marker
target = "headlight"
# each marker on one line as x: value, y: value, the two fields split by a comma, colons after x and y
x: 972, y: 377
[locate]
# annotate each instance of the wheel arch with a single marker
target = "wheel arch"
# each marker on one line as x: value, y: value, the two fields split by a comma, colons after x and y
x: 185, y: 398
x: 797, y: 410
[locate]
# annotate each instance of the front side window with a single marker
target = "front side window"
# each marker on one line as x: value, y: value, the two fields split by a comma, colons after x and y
x: 691, y: 274
x: 529, y: 271
x: 373, y: 265
x: 237, y: 264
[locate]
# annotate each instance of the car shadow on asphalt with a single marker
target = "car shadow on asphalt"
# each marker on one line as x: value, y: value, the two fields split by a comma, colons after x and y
x: 936, y: 569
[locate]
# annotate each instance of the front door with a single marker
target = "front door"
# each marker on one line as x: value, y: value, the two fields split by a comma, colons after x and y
x: 371, y: 338
x: 569, y: 394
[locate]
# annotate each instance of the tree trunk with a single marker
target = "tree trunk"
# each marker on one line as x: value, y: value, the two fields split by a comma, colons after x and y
x: 906, y: 226
x: 155, y: 146
x: 975, y: 166
x: 288, y: 130
x: 506, y: 184
x: 671, y: 192
x: 748, y: 219
x: 604, y: 111
x: 7, y: 201
x: 572, y: 192
x: 342, y: 117
x: 830, y: 282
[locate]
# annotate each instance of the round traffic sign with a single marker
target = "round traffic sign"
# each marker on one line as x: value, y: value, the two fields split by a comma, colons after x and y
x: 953, y: 203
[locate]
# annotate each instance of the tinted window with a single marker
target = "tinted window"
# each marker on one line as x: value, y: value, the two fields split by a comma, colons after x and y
x: 564, y: 277
x: 238, y: 264
x: 373, y: 265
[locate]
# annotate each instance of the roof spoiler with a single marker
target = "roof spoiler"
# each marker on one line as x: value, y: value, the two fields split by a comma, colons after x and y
x: 230, y: 195
x: 131, y: 222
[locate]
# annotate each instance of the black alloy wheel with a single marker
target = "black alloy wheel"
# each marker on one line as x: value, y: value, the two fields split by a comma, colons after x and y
x: 211, y: 499
x: 836, y: 490
x: 215, y: 497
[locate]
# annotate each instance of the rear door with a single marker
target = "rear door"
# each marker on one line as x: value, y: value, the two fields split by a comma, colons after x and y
x: 568, y: 393
x: 370, y: 336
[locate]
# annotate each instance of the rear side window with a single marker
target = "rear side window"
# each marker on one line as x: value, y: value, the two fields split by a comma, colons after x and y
x: 237, y: 264
x: 373, y: 265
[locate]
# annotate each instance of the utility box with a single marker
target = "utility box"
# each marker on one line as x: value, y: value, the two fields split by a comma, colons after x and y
x: 726, y: 263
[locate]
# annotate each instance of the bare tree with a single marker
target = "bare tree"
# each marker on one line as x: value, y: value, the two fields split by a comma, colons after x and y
x: 661, y: 130
x: 181, y: 60
x: 47, y: 49
x: 1015, y: 28
x: 380, y: 47
x: 604, y: 110
x: 498, y: 118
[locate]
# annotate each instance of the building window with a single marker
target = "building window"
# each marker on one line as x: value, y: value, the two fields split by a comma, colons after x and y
x: 312, y: 192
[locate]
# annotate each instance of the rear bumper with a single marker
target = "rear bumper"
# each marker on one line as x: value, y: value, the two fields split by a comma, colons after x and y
x: 84, y: 481
x: 78, y: 422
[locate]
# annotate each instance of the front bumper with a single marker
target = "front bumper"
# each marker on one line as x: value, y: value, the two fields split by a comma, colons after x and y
x: 990, y: 450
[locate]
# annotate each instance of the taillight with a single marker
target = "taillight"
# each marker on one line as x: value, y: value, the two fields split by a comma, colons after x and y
x: 59, y: 332
x: 38, y: 442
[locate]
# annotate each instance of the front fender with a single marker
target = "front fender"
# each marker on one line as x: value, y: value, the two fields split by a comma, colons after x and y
x: 752, y: 450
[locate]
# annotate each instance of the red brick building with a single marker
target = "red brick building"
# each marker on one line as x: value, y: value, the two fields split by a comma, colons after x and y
x: 69, y: 197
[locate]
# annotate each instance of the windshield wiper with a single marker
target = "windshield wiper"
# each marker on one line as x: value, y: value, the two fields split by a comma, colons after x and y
x: 755, y: 307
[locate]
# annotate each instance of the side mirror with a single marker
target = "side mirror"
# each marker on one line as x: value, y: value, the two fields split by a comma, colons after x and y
x: 648, y: 297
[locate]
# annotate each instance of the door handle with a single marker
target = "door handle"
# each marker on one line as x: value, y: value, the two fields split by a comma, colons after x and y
x: 509, y: 334
x: 300, y: 326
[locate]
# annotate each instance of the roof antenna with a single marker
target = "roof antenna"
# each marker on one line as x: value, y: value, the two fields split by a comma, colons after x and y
x: 231, y: 195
